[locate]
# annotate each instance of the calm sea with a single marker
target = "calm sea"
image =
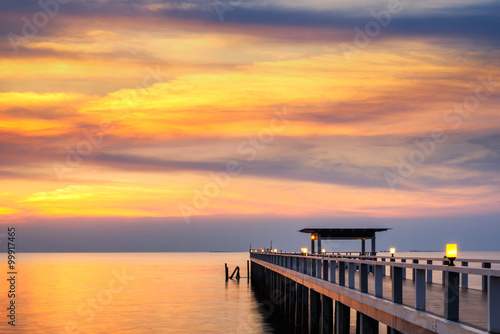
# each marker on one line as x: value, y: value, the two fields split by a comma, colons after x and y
x: 178, y: 293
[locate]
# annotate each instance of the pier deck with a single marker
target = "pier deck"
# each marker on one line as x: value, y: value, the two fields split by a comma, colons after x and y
x: 473, y: 303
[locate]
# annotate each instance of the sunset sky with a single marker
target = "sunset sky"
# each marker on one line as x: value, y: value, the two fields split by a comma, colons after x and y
x: 125, y: 123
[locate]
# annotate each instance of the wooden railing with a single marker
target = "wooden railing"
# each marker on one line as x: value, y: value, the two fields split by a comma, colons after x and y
x: 333, y: 268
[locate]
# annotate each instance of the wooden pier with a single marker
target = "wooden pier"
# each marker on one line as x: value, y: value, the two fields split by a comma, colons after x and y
x: 316, y: 293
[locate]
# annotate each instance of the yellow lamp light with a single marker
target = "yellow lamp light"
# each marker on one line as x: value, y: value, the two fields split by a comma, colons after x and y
x: 304, y: 250
x: 314, y: 236
x: 262, y: 250
x: 451, y: 253
x: 393, y: 251
x: 275, y: 250
x: 323, y: 251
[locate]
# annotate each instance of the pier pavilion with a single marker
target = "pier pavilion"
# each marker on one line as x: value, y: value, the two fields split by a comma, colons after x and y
x: 319, y: 234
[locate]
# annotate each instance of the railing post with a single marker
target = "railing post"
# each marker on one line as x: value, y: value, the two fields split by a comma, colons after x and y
x: 445, y: 263
x: 485, y: 278
x: 419, y: 276
x: 404, y: 269
x: 363, y: 277
x: 494, y: 304
x: 341, y: 273
x: 429, y: 272
x: 325, y: 270
x: 451, y: 295
x: 397, y: 285
x: 313, y: 267
x: 333, y: 265
x: 379, y: 276
x: 383, y: 271
x: 319, y: 268
x: 465, y: 276
x: 413, y: 271
x: 391, y: 269
x: 352, y: 272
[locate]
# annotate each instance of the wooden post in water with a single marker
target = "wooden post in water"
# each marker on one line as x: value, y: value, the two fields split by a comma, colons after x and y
x: 227, y: 271
x: 237, y: 272
x: 248, y: 270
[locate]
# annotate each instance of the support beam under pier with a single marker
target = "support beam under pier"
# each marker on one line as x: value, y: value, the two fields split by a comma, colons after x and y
x: 314, y: 311
x: 367, y: 325
x: 326, y: 315
x: 342, y: 318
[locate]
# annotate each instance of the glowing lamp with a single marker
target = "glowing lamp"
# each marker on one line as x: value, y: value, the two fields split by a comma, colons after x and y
x: 451, y: 253
x: 262, y: 250
x: 393, y: 251
x: 323, y: 251
x: 314, y: 237
x: 304, y: 250
x: 275, y: 250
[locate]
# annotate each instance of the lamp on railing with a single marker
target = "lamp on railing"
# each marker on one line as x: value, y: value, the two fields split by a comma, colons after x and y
x: 323, y: 251
x: 275, y: 250
x: 304, y: 250
x: 451, y: 253
x: 392, y: 251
